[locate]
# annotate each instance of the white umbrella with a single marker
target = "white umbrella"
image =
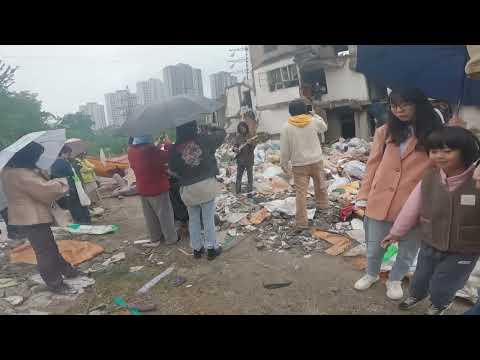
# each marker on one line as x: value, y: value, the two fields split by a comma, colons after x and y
x: 51, y: 140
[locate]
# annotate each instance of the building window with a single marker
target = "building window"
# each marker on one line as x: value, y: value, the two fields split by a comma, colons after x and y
x: 284, y: 77
x: 269, y: 48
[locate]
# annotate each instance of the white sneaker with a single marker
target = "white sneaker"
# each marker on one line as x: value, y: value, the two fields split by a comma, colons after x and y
x: 394, y: 290
x: 365, y: 282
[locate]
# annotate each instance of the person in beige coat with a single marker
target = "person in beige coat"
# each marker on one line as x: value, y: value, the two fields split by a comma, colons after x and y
x: 30, y: 196
x: 398, y: 161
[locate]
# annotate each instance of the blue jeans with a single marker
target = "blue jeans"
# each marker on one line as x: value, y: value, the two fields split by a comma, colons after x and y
x: 207, y: 212
x: 375, y: 231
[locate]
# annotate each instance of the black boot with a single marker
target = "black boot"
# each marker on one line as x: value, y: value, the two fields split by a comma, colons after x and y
x: 197, y: 254
x: 63, y: 289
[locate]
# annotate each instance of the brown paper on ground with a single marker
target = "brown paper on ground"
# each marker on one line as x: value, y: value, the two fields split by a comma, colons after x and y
x: 339, y: 248
x: 359, y: 262
x: 332, y: 238
x: 75, y: 252
x: 259, y: 216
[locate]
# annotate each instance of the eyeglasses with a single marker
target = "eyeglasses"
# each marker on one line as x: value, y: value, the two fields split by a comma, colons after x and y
x: 400, y: 106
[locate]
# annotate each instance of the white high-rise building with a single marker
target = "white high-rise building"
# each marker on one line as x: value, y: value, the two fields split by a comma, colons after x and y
x: 219, y: 82
x: 150, y: 91
x: 119, y: 105
x: 96, y: 112
x: 182, y: 79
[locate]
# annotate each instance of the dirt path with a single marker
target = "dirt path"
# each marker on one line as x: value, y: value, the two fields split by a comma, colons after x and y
x: 233, y: 283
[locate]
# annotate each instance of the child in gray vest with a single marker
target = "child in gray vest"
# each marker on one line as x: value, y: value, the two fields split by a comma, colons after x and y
x: 446, y: 203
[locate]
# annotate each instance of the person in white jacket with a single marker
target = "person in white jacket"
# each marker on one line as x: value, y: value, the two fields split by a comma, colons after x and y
x: 300, y: 145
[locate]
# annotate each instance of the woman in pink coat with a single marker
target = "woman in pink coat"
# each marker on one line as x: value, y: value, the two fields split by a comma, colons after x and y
x: 397, y: 162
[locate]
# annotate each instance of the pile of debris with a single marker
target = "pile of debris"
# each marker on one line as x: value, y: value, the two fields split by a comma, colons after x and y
x: 268, y: 213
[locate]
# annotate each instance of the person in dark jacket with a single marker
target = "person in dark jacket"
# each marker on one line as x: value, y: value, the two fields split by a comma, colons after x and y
x: 193, y: 162
x: 244, y: 147
x: 149, y: 163
x: 62, y: 168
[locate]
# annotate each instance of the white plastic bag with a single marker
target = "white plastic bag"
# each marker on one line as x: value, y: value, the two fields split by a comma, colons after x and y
x: 82, y: 195
x: 355, y: 169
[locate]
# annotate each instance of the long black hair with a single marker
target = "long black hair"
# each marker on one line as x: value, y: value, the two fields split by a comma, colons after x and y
x: 27, y: 157
x: 426, y: 120
x: 456, y: 137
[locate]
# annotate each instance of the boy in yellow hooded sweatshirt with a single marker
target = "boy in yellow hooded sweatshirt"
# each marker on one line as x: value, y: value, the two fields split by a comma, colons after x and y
x: 300, y: 145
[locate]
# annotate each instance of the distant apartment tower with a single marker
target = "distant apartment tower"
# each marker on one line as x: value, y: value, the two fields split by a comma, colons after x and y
x: 219, y: 82
x: 96, y: 112
x: 150, y: 91
x: 182, y: 79
x: 119, y: 105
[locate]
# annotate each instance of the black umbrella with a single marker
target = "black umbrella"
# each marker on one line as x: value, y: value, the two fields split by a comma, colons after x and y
x: 173, y: 112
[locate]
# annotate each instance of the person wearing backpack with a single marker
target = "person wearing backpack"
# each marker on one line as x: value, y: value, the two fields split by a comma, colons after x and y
x: 397, y: 162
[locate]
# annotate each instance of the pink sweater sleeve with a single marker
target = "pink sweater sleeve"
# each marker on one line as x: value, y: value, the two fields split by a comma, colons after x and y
x: 409, y: 214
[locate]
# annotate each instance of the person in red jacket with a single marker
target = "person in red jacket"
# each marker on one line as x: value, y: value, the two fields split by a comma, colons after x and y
x: 149, y: 163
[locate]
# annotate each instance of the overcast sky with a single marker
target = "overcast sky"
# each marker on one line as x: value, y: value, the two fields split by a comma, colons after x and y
x: 66, y: 76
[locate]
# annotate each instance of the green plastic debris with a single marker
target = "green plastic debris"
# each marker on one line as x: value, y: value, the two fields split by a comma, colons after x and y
x: 92, y: 229
x: 392, y: 250
x: 120, y: 302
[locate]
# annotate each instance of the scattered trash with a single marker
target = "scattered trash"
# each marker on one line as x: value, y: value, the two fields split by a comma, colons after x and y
x: 91, y: 229
x: 308, y: 256
x: 140, y: 242
x: 14, y: 300
x: 75, y: 252
x: 286, y: 206
x: 259, y: 216
x: 354, y: 169
x: 357, y: 250
x: 234, y: 218
x: 79, y: 283
x: 359, y: 262
x: 145, y: 288
x: 142, y: 307
x: 7, y: 282
x: 188, y: 286
x: 120, y: 302
x: 184, y: 252
x: 179, y: 280
x: 136, y: 268
x: 115, y: 258
x: 277, y: 285
x: 98, y: 211
x: 357, y: 224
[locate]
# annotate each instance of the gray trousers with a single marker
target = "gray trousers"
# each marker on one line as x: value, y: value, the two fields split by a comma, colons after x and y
x: 158, y: 213
x: 440, y: 274
x: 375, y: 231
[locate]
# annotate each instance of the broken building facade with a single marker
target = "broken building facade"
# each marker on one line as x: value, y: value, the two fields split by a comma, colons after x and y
x: 324, y: 76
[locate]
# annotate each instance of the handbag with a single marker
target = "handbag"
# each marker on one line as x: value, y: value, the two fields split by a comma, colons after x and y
x: 82, y: 195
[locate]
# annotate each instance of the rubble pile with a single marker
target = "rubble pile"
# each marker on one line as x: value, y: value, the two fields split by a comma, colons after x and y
x: 268, y: 214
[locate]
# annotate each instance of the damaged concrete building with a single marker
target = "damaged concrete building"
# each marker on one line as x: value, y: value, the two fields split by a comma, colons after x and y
x: 325, y: 76
x: 239, y: 101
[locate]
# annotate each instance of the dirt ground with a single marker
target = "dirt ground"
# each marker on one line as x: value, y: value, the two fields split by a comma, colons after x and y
x: 231, y: 284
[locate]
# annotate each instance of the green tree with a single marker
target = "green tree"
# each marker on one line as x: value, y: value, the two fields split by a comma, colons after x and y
x: 78, y: 125
x: 20, y: 113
